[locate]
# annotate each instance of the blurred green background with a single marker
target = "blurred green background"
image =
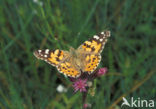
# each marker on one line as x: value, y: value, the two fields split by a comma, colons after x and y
x: 28, y: 25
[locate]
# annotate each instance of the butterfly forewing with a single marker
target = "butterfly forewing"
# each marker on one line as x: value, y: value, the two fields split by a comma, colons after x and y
x: 96, y: 43
x: 52, y: 57
x: 58, y: 58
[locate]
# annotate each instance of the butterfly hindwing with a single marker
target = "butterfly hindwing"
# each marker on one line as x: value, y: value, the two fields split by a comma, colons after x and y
x: 68, y: 69
x: 92, y: 62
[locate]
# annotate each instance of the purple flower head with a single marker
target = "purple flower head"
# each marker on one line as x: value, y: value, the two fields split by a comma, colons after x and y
x: 80, y: 84
x: 86, y: 105
x: 84, y: 84
x: 102, y: 71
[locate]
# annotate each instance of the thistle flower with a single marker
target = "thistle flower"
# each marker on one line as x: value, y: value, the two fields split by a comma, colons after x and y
x: 85, y: 106
x: 85, y: 82
x: 80, y: 84
x: 102, y: 71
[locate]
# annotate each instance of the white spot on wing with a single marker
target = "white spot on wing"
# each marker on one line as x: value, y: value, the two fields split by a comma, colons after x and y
x: 47, y: 51
x: 101, y: 40
x: 39, y: 51
x: 96, y: 37
x: 45, y: 56
x: 102, y: 32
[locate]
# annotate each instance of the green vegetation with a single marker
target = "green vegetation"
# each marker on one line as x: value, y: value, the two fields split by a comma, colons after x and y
x: 130, y: 54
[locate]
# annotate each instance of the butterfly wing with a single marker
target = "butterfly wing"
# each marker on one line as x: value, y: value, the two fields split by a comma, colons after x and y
x: 68, y: 69
x: 91, y: 50
x: 96, y: 44
x: 59, y: 59
x: 92, y: 61
x: 52, y: 57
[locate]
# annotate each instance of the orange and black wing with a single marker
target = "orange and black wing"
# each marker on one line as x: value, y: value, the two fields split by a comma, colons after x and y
x: 92, y: 50
x: 68, y: 69
x: 58, y: 59
x: 53, y: 57
x: 96, y: 44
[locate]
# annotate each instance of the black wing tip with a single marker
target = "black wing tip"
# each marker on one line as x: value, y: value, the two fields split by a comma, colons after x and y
x: 105, y: 33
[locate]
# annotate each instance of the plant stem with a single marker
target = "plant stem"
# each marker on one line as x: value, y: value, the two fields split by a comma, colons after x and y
x: 84, y: 96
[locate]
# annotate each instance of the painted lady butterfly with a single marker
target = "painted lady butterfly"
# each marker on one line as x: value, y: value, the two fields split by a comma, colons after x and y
x: 76, y: 61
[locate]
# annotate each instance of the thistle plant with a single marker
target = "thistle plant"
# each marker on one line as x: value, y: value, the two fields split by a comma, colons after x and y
x: 85, y: 82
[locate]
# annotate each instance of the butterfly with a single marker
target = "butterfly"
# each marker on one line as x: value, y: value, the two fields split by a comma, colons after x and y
x: 74, y: 62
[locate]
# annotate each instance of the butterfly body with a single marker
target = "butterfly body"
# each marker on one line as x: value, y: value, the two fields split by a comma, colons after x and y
x: 76, y: 61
